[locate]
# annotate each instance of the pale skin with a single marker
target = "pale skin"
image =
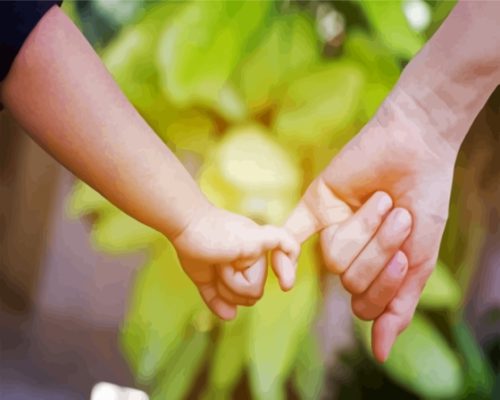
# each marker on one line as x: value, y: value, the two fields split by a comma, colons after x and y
x: 408, y: 150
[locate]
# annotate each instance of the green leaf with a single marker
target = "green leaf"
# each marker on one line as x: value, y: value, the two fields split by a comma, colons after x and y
x: 130, y: 58
x: 441, y: 10
x: 317, y: 108
x: 309, y: 371
x: 441, y: 290
x: 116, y: 232
x: 496, y: 388
x: 251, y: 160
x: 381, y: 69
x: 250, y: 173
x: 163, y: 302
x: 130, y: 62
x: 391, y: 26
x: 229, y: 358
x: 193, y: 131
x: 289, y: 47
x: 118, y: 12
x: 175, y: 383
x: 278, y: 325
x: 85, y: 200
x: 421, y: 360
x: 200, y: 49
x: 479, y: 377
x: 69, y: 8
x: 374, y: 57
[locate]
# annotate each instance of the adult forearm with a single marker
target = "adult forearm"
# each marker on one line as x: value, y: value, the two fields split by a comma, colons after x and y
x: 448, y: 82
x: 60, y: 92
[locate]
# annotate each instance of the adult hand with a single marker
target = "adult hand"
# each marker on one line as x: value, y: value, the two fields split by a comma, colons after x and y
x: 390, y: 154
x: 409, y: 150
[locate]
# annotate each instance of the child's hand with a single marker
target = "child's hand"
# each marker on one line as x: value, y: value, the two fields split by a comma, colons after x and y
x: 225, y: 256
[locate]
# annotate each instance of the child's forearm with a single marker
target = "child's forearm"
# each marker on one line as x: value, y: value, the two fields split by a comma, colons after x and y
x: 60, y: 92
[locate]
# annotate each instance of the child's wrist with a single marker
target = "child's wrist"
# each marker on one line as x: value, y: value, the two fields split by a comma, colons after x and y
x: 196, y: 210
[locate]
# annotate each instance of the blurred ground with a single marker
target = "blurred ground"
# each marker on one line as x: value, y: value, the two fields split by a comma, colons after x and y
x: 63, y: 339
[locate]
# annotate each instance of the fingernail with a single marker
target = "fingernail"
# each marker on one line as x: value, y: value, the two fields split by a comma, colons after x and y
x: 384, y: 203
x: 387, y: 352
x: 397, y: 265
x: 402, y: 219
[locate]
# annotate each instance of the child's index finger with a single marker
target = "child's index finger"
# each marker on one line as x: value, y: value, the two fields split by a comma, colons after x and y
x: 247, y: 282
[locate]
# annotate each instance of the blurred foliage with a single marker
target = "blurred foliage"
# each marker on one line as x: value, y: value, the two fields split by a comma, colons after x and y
x: 422, y: 360
x: 255, y: 102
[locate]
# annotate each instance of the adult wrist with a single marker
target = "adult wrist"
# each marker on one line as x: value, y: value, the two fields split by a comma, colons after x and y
x: 442, y: 103
x: 451, y: 78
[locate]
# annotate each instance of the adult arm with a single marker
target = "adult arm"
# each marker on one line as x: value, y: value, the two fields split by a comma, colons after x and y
x: 409, y: 150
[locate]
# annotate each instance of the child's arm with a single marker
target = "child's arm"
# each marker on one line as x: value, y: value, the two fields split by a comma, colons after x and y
x: 61, y: 93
